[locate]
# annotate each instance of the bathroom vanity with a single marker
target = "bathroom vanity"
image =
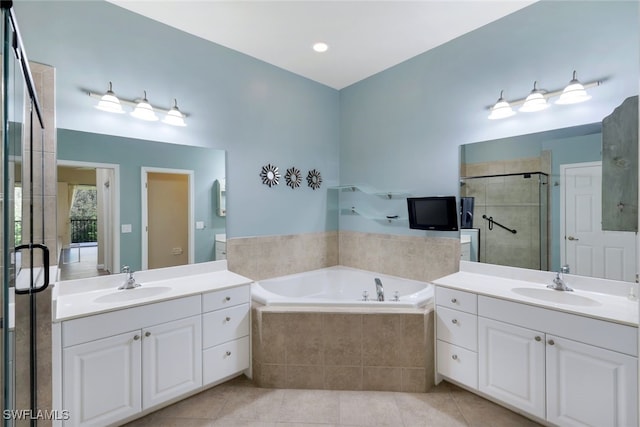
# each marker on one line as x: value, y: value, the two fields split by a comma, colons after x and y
x: 565, y: 358
x: 119, y: 354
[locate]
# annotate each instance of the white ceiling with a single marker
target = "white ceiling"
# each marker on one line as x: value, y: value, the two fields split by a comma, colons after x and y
x: 364, y: 37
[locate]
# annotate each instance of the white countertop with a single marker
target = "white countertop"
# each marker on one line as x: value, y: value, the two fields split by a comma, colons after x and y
x: 76, y: 299
x: 610, y: 302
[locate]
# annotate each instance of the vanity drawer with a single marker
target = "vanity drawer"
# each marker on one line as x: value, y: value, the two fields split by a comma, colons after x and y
x: 226, y: 298
x: 225, y: 359
x: 457, y: 327
x: 225, y: 325
x: 458, y: 300
x: 457, y: 363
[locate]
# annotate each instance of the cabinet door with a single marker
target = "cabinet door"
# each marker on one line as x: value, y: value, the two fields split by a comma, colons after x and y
x: 171, y: 360
x: 511, y: 363
x: 101, y: 380
x: 590, y: 386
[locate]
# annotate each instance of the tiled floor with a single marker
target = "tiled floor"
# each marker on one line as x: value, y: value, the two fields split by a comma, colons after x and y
x: 239, y: 403
x: 79, y: 261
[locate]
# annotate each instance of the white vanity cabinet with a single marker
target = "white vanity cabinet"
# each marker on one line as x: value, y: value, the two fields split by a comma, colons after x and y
x: 567, y: 369
x: 456, y: 333
x: 119, y: 363
x: 225, y: 326
x: 511, y: 365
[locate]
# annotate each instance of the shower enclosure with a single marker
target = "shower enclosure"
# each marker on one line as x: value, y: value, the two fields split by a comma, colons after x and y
x: 511, y: 213
x: 23, y: 255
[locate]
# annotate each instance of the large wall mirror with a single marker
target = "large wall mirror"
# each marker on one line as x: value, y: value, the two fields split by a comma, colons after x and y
x: 144, y: 204
x: 527, y: 201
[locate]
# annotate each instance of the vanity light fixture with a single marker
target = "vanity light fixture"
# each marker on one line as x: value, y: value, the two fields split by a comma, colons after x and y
x: 174, y: 117
x: 109, y: 102
x: 574, y: 92
x: 537, y: 100
x: 502, y: 109
x: 144, y: 110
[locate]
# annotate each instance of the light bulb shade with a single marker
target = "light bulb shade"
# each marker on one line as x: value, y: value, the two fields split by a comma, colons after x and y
x: 501, y: 109
x: 534, y: 102
x: 574, y: 93
x: 144, y: 111
x: 174, y: 117
x: 110, y: 102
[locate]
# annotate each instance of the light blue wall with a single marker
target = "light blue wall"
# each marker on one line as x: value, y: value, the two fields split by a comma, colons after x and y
x: 397, y: 130
x: 401, y: 128
x: 132, y: 154
x: 258, y: 113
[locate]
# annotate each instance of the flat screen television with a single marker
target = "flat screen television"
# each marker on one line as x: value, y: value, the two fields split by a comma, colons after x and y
x: 433, y: 213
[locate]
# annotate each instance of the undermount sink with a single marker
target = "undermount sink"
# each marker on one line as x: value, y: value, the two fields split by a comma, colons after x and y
x: 132, y: 294
x: 550, y: 295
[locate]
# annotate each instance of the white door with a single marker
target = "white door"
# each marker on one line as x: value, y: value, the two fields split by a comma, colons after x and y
x: 587, y: 249
x: 172, y: 360
x: 511, y: 365
x: 590, y: 386
x: 102, y: 380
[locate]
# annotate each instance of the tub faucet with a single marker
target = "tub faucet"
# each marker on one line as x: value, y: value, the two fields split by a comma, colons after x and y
x: 379, y: 289
x: 130, y: 282
x: 558, y: 283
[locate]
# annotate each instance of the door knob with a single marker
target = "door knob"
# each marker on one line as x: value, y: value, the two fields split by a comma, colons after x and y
x: 572, y: 238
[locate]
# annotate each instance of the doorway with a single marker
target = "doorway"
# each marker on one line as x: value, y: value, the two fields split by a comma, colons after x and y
x: 584, y: 246
x: 167, y: 217
x: 88, y: 211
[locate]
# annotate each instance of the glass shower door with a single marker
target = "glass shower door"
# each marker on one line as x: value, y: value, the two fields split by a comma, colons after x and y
x: 25, y: 270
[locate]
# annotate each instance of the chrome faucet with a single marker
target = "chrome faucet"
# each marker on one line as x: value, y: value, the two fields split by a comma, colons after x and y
x: 130, y: 282
x: 379, y: 289
x: 558, y: 283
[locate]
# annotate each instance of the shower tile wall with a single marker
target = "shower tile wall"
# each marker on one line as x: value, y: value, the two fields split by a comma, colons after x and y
x: 515, y: 202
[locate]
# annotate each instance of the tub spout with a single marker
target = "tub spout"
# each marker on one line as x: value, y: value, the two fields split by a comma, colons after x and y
x: 379, y: 289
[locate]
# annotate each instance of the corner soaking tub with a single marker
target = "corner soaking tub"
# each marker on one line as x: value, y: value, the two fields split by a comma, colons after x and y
x: 341, y: 286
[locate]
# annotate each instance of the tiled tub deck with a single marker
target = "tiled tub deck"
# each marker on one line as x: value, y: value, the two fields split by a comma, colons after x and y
x: 342, y: 349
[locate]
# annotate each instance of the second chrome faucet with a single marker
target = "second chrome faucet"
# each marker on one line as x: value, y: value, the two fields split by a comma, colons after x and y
x: 130, y: 281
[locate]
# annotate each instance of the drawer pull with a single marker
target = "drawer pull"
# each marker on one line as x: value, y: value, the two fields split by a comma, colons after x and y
x: 454, y: 300
x: 228, y: 353
x: 136, y: 337
x: 227, y: 319
x: 538, y: 338
x: 227, y: 299
x: 454, y: 321
x: 551, y: 342
x: 454, y: 357
x: 147, y: 334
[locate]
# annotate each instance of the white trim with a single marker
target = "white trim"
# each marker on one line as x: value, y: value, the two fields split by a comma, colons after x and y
x: 144, y: 208
x: 116, y: 201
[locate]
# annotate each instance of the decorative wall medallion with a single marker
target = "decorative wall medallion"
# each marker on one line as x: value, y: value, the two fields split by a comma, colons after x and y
x: 293, y: 177
x: 314, y: 179
x: 270, y: 175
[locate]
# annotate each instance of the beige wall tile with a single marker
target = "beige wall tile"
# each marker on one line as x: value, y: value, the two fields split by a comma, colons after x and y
x: 305, y: 376
x: 273, y: 376
x: 343, y: 377
x: 382, y: 378
x: 303, y: 340
x: 382, y: 342
x: 414, y: 380
x: 342, y: 339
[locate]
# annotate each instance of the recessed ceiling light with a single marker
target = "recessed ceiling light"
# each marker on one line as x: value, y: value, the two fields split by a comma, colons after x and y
x: 320, y: 47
